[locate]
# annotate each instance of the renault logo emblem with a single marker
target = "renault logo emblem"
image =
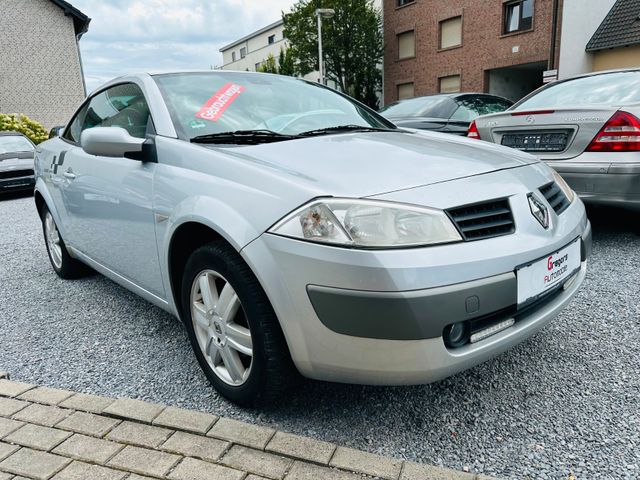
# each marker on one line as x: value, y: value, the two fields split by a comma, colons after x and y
x: 539, y: 210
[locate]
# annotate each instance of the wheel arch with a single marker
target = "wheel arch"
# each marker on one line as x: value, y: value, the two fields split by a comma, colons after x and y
x: 43, y: 199
x: 185, y: 239
x: 40, y: 202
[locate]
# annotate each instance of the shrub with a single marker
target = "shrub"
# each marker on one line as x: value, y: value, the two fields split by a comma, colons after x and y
x: 23, y: 124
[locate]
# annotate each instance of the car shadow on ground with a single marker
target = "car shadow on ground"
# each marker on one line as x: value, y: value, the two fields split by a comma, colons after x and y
x: 15, y: 195
x: 613, y: 220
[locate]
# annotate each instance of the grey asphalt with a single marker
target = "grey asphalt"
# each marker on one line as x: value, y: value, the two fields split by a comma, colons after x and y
x: 567, y: 400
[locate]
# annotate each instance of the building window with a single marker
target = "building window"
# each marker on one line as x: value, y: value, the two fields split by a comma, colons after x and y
x: 518, y: 16
x: 450, y: 84
x: 271, y: 39
x: 451, y: 32
x: 405, y: 90
x: 258, y: 66
x: 406, y: 45
x: 233, y: 56
x: 243, y: 52
x: 404, y: 2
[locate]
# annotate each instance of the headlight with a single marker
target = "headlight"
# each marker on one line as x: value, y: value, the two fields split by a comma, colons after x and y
x: 564, y: 186
x: 367, y: 224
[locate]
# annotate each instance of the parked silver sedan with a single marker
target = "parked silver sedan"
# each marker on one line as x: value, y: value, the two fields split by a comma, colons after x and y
x: 587, y: 128
x: 290, y: 227
x: 16, y: 162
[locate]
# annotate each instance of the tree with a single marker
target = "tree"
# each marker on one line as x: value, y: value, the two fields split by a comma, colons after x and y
x: 352, y: 42
x: 284, y: 65
x: 269, y: 65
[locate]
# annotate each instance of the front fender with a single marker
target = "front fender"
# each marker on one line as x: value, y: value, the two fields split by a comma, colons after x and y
x: 210, y: 212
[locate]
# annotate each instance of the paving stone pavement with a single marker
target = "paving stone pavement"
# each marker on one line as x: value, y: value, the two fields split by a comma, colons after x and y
x: 51, y: 434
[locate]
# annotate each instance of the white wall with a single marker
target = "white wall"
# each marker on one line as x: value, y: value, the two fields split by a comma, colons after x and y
x: 580, y: 20
x: 40, y: 72
x: 258, y: 49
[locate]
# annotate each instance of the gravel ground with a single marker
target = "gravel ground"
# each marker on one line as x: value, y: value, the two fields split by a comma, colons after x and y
x: 567, y: 400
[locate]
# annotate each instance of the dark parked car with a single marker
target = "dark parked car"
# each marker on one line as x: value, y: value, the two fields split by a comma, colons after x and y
x: 16, y: 162
x: 450, y: 113
x: 56, y: 131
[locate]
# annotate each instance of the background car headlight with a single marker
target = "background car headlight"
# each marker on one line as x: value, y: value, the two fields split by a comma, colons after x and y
x: 564, y: 186
x: 368, y: 224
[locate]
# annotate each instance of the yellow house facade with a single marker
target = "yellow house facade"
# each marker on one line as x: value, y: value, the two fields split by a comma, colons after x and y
x: 616, y: 42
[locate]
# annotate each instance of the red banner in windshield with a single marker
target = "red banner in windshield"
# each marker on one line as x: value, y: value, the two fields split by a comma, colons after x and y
x: 216, y: 105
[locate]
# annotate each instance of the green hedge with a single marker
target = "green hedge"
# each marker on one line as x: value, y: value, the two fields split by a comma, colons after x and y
x: 23, y: 124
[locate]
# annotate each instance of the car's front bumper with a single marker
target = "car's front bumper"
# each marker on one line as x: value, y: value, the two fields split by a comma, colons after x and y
x: 614, y: 181
x: 12, y: 183
x: 381, y: 316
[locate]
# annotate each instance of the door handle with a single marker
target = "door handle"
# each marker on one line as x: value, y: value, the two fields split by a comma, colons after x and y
x: 69, y: 174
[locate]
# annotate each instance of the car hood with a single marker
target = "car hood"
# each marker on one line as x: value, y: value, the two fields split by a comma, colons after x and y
x: 16, y: 161
x: 365, y: 164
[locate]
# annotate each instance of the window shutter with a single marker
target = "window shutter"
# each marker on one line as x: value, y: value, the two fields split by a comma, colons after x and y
x: 451, y: 32
x: 450, y: 84
x: 405, y: 90
x: 407, y: 45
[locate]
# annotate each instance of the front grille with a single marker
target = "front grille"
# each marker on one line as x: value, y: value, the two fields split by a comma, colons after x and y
x: 483, y: 220
x: 16, y: 174
x: 555, y: 196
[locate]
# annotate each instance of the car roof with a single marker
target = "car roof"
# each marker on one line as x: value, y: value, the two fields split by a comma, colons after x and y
x: 454, y: 96
x: 601, y: 72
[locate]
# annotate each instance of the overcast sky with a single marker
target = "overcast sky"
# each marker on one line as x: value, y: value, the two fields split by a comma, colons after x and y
x: 138, y: 35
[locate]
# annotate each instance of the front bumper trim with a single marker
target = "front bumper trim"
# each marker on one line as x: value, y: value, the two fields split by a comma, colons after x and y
x: 418, y: 314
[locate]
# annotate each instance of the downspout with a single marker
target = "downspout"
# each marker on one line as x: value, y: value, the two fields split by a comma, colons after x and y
x: 84, y: 83
x: 554, y: 32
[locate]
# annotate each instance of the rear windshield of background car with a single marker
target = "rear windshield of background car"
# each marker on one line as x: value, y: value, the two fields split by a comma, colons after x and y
x: 210, y: 103
x: 620, y: 88
x: 432, y: 107
x: 14, y: 143
x: 472, y: 106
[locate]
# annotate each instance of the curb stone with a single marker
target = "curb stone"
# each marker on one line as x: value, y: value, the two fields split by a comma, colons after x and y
x: 131, y: 438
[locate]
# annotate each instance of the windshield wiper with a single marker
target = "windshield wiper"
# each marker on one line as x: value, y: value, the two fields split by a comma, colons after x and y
x: 344, y: 128
x: 243, y: 137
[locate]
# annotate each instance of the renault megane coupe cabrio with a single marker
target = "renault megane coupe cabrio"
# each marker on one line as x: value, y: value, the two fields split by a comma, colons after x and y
x: 292, y: 228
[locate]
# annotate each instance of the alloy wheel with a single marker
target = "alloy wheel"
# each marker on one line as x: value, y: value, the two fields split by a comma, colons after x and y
x: 53, y: 240
x: 221, y: 327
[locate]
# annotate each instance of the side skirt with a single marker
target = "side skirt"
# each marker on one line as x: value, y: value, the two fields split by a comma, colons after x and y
x: 120, y: 280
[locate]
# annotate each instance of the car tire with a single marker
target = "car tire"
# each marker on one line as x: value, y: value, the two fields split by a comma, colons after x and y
x: 63, y: 264
x: 233, y: 329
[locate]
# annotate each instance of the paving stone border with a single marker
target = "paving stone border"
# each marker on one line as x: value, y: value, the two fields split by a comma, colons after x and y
x: 48, y: 433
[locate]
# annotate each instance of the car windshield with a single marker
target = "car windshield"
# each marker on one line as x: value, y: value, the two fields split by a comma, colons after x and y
x: 435, y: 107
x: 211, y: 103
x: 619, y: 88
x: 14, y: 143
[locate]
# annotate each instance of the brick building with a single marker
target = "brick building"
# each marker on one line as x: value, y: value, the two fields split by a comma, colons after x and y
x: 496, y: 46
x: 40, y: 66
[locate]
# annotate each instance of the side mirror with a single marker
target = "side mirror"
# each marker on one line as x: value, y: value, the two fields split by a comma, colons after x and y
x: 110, y: 142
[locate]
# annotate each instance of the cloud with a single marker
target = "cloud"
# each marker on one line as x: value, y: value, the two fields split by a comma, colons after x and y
x: 130, y: 36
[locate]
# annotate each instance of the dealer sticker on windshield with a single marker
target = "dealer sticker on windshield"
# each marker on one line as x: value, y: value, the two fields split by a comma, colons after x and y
x: 216, y: 105
x: 551, y: 271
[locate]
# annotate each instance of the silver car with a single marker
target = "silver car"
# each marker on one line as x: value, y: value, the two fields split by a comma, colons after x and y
x: 587, y: 128
x: 16, y: 162
x: 292, y: 228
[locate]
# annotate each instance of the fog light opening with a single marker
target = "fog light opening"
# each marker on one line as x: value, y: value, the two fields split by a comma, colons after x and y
x: 456, y: 334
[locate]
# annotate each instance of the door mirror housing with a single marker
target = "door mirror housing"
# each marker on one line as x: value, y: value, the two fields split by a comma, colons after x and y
x: 110, y: 142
